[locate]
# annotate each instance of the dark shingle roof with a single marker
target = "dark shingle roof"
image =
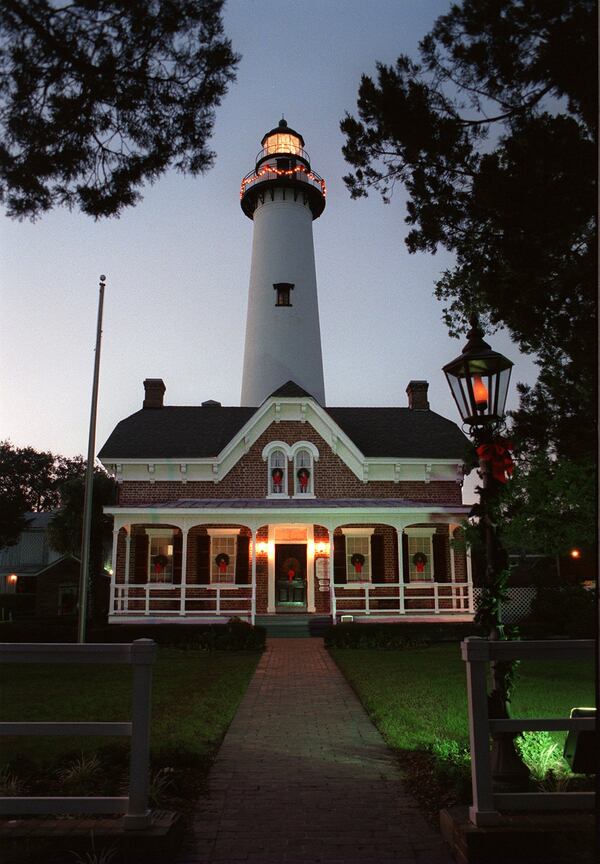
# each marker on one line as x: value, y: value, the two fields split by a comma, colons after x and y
x: 290, y: 388
x: 175, y: 432
x: 203, y: 431
x: 401, y: 432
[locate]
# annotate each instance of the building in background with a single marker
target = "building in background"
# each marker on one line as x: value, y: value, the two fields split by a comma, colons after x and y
x: 286, y: 504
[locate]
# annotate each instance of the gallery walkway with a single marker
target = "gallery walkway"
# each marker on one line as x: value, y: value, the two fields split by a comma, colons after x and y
x: 303, y: 776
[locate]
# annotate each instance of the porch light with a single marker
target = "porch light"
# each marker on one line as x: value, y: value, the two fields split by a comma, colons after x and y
x: 575, y: 553
x: 261, y: 548
x: 12, y: 578
x: 322, y: 548
x: 479, y: 379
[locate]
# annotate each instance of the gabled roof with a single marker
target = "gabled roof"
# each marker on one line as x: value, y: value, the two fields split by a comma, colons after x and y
x: 204, y: 431
x: 289, y: 390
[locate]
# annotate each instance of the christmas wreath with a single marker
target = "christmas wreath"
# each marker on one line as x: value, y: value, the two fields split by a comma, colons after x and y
x: 357, y: 561
x: 303, y: 475
x: 160, y: 562
x: 277, y: 475
x: 222, y: 561
x: 419, y: 560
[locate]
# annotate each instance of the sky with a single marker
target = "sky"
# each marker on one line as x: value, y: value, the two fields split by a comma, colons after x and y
x: 178, y: 264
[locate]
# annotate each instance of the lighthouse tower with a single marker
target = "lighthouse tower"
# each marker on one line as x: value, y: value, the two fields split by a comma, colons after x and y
x: 282, y: 196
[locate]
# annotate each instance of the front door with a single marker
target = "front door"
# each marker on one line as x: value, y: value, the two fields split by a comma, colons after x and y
x: 290, y: 575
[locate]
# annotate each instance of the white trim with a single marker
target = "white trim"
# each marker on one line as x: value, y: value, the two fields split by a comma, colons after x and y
x: 420, y: 532
x: 304, y: 445
x: 358, y: 532
x: 223, y: 532
x: 299, y: 409
x: 275, y: 445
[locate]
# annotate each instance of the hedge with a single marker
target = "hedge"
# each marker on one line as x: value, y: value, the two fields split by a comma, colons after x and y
x: 397, y: 636
x: 235, y: 635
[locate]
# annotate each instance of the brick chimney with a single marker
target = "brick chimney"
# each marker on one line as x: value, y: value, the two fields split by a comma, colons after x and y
x: 154, y: 390
x: 417, y: 395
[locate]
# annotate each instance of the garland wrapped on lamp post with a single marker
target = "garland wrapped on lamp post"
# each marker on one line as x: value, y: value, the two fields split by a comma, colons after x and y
x: 479, y: 380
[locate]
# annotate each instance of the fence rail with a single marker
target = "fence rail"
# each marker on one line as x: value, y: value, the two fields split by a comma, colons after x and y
x: 140, y: 654
x: 477, y: 654
x: 403, y: 598
x: 161, y: 600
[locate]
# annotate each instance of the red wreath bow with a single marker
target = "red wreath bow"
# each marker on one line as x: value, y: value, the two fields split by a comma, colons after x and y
x: 498, y: 455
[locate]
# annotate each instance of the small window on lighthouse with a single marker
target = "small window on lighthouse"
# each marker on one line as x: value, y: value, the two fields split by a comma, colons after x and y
x: 282, y: 293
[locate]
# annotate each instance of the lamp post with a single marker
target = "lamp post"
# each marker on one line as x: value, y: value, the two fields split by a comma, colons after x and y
x: 479, y: 379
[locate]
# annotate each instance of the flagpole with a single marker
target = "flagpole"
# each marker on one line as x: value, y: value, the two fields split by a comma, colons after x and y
x: 84, y: 573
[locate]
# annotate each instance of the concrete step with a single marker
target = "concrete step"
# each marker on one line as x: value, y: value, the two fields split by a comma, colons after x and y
x: 293, y: 625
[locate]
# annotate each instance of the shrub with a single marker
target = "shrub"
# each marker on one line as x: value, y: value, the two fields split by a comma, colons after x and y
x: 566, y: 610
x: 235, y: 635
x: 396, y: 636
x: 79, y: 776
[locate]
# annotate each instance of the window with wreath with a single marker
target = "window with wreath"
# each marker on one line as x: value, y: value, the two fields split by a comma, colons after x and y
x: 160, y: 559
x: 277, y: 473
x: 223, y: 549
x: 303, y: 473
x: 358, y: 558
x: 420, y: 557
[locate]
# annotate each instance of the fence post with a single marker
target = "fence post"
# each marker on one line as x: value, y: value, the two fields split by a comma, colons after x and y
x: 147, y: 607
x: 436, y: 599
x: 475, y: 652
x: 143, y: 654
x: 218, y: 599
x: 367, y: 609
x: 183, y: 583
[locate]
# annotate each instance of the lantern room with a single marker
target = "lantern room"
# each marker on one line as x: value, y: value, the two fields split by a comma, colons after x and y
x: 283, y: 162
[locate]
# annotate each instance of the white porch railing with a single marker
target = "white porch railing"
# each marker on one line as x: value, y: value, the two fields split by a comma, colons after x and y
x: 153, y: 599
x: 403, y: 598
x: 141, y: 654
x: 477, y: 653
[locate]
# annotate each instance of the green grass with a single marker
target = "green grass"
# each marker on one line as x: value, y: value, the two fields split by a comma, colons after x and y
x: 417, y: 697
x: 195, y: 695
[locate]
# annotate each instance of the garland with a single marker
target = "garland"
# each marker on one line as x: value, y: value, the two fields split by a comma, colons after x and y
x: 282, y: 172
x: 419, y: 559
x: 357, y: 562
x: 222, y: 562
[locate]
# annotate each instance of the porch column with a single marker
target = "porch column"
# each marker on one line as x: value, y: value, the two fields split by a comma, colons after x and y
x: 401, y: 605
x: 331, y: 578
x: 469, y: 564
x: 184, y: 545
x: 127, y: 557
x: 451, y: 528
x: 113, y: 575
x: 253, y: 602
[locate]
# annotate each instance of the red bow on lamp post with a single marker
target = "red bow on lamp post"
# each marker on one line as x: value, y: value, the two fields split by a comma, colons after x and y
x: 497, y: 453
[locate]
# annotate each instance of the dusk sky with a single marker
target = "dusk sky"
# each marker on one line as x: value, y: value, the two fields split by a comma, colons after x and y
x: 177, y: 265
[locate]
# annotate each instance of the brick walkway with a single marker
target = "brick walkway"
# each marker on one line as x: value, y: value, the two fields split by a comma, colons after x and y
x: 303, y: 776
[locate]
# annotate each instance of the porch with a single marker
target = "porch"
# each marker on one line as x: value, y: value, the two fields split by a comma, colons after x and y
x: 176, y: 564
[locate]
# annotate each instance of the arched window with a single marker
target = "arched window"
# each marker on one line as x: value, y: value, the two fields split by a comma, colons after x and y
x: 303, y: 472
x: 277, y: 473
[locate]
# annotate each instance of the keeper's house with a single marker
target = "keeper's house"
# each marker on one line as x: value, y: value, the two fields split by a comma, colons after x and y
x: 288, y: 505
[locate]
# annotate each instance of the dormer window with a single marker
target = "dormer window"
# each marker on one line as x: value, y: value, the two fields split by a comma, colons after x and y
x: 283, y: 293
x: 277, y: 473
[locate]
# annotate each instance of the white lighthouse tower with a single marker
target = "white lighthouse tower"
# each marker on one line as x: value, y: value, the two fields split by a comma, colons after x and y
x: 282, y: 195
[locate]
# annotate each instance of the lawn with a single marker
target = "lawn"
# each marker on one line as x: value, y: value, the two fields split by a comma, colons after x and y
x: 195, y: 695
x: 418, y: 696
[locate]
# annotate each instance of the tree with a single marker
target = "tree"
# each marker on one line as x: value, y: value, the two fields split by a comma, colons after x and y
x: 493, y: 136
x: 541, y: 507
x: 97, y: 99
x: 31, y: 479
x: 65, y: 528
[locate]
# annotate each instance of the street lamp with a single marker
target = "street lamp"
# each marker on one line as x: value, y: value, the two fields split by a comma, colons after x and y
x: 478, y: 380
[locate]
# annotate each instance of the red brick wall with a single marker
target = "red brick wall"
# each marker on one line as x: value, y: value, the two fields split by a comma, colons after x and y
x: 248, y: 478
